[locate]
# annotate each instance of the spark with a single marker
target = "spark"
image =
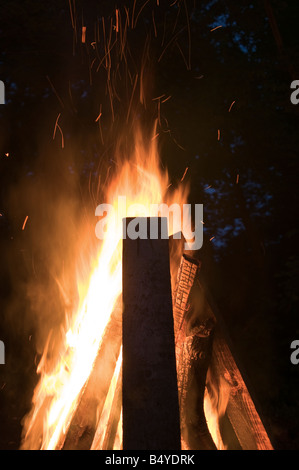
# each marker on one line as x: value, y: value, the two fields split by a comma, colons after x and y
x: 133, y: 92
x: 230, y: 108
x: 182, y: 54
x: 180, y: 146
x: 54, y: 91
x: 166, y: 99
x: 154, y: 23
x: 98, y: 118
x: 140, y: 11
x: 159, y: 97
x: 185, y: 172
x: 83, y: 38
x: 72, y: 16
x: 170, y: 42
x: 117, y: 20
x: 25, y: 222
x: 214, y: 29
x: 60, y: 130
x: 133, y: 14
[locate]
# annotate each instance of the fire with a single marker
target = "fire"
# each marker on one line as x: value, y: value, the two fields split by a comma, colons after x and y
x: 57, y: 395
x: 70, y: 381
x: 215, y: 403
x: 70, y: 356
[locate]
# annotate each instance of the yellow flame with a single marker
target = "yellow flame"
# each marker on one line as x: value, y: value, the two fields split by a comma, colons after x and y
x: 58, y: 392
x: 215, y: 403
x: 98, y: 441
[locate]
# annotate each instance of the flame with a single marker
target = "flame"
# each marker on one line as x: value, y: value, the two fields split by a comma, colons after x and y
x: 57, y: 395
x: 69, y: 356
x: 98, y: 442
x: 215, y: 403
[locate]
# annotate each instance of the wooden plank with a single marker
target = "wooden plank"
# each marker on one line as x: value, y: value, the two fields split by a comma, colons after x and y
x: 240, y: 425
x: 241, y: 410
x: 197, y: 352
x: 83, y: 425
x: 193, y: 353
x: 150, y: 396
x: 114, y: 417
x: 108, y: 424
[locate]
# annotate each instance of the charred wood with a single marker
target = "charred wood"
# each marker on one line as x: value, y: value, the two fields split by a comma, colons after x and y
x: 150, y: 395
x: 241, y: 422
x: 193, y: 355
x: 193, y: 367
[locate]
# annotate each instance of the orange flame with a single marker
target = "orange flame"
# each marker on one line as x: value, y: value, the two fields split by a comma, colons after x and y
x: 58, y: 392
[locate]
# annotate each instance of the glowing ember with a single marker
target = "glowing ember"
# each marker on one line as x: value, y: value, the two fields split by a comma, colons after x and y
x: 25, y: 222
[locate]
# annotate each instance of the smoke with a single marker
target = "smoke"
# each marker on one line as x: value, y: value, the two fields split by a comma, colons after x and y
x: 50, y: 202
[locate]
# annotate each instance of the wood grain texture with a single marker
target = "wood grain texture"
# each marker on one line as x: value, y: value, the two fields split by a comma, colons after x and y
x: 241, y: 410
x: 150, y: 396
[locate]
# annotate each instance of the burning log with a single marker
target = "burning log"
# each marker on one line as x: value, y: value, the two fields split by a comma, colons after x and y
x: 197, y: 354
x: 193, y: 354
x: 84, y: 423
x: 240, y: 424
x: 114, y: 417
x: 241, y: 410
x: 150, y: 396
x: 185, y: 279
x: 208, y: 372
x: 106, y: 436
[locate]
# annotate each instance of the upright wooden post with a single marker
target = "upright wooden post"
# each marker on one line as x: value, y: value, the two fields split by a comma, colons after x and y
x: 150, y: 396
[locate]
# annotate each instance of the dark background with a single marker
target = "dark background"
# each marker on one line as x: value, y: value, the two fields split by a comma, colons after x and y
x: 245, y: 175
